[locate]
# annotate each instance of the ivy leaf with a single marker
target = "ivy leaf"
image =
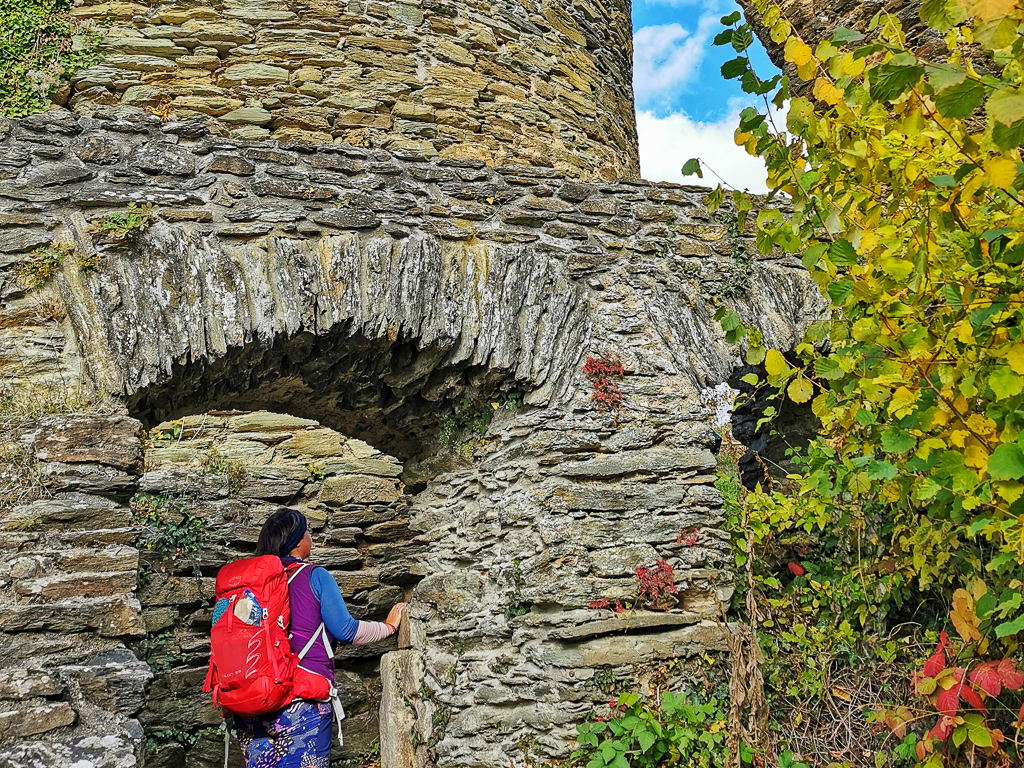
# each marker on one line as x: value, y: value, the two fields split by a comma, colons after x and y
x: 958, y: 102
x: 1006, y: 463
x: 889, y: 81
x: 692, y: 167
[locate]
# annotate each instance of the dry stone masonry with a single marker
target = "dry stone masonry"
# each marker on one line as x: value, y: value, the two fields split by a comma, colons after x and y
x: 388, y: 296
x: 352, y: 257
x: 508, y: 82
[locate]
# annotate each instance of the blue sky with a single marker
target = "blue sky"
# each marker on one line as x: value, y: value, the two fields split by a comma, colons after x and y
x: 685, y: 108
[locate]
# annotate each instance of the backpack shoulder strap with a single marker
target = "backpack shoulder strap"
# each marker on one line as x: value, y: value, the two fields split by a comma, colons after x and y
x: 295, y: 569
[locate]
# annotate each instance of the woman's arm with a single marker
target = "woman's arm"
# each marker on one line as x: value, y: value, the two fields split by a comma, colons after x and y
x: 336, y: 617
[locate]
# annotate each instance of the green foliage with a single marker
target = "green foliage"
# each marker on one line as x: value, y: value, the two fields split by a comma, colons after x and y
x: 471, y: 418
x: 516, y: 606
x: 906, y: 183
x: 645, y: 734
x: 126, y: 226
x: 217, y: 463
x: 159, y: 650
x: 42, y: 265
x: 39, y: 52
x: 173, y: 533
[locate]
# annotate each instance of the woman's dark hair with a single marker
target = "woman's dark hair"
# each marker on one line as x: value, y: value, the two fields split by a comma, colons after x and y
x: 281, y: 533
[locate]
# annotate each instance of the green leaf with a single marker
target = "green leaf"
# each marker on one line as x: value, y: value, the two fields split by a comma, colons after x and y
x: 750, y: 378
x: 844, y: 35
x: 840, y: 290
x: 734, y: 68
x: 827, y: 368
x: 942, y: 76
x: 732, y: 18
x: 896, y: 440
x: 890, y: 81
x: 1005, y: 383
x: 750, y: 119
x: 692, y: 167
x: 742, y: 38
x: 997, y: 33
x: 1008, y: 137
x: 842, y: 253
x: 723, y: 38
x: 958, y: 102
x: 1010, y: 627
x: 1006, y: 463
x: 1006, y: 106
x: 646, y: 740
x: 941, y: 15
x: 944, y: 180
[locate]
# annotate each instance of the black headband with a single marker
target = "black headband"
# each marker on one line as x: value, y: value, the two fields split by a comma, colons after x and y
x: 296, y: 535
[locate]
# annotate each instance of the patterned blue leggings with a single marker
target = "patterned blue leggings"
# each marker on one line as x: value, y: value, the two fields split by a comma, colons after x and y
x: 299, y: 736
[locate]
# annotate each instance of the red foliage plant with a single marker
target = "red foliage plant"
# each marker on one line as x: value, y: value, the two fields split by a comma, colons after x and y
x: 656, y: 582
x: 603, y: 373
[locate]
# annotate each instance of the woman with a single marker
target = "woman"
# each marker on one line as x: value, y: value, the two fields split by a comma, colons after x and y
x: 299, y: 736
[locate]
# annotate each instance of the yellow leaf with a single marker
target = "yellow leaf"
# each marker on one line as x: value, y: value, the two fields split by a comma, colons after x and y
x: 826, y: 92
x: 986, y: 10
x: 981, y: 424
x: 798, y: 52
x: 1000, y: 172
x: 1010, y: 490
x: 1015, y: 357
x: 853, y: 66
x: 741, y: 138
x: 800, y: 390
x: 819, y: 406
x: 774, y: 363
x: 975, y: 456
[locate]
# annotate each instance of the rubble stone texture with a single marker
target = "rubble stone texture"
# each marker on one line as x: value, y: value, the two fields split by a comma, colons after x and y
x: 369, y: 293
x: 385, y: 240
x: 531, y: 82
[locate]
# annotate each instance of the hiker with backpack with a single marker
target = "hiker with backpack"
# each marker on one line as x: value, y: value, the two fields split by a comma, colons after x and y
x: 275, y: 623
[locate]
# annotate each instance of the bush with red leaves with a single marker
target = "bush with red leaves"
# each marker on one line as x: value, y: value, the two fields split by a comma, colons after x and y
x: 603, y: 373
x: 656, y: 583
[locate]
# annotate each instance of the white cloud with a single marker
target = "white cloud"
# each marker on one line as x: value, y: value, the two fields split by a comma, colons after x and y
x: 666, y: 56
x: 666, y: 143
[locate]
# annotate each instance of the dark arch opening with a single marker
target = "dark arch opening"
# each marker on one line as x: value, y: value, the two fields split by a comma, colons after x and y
x: 391, y: 393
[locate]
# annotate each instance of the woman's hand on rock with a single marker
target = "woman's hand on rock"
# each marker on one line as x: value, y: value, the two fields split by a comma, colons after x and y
x: 395, y: 616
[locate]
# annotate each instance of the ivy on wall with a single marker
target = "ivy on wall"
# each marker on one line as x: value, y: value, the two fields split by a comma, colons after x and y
x: 41, y: 47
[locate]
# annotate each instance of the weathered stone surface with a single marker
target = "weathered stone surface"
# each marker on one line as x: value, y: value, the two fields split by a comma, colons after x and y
x: 401, y: 674
x: 364, y: 489
x: 28, y: 721
x: 93, y: 439
x: 28, y: 683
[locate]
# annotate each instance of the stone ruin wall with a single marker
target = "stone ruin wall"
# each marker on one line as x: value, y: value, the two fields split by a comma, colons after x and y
x: 530, y: 82
x: 370, y: 291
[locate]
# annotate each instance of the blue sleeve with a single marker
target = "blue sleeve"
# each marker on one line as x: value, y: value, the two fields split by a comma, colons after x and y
x: 333, y: 610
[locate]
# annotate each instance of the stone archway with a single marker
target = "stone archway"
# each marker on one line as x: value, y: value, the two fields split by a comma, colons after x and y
x: 426, y: 284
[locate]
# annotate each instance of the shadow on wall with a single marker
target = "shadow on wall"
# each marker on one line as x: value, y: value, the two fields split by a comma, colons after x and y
x: 389, y: 392
x: 210, y: 482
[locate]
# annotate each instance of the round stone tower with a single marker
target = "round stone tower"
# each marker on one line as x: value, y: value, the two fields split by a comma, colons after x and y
x: 510, y: 82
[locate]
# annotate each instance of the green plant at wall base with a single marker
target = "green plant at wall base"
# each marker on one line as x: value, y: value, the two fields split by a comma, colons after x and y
x: 217, y: 463
x: 173, y: 533
x: 643, y: 733
x: 42, y: 265
x: 122, y: 227
x: 41, y: 47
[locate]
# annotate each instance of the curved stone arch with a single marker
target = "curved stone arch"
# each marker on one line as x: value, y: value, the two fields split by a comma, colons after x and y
x: 155, y: 323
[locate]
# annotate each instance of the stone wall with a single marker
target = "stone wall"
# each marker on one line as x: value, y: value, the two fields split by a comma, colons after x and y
x: 391, y: 297
x: 523, y: 82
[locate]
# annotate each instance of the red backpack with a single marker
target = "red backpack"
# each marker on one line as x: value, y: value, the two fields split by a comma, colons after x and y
x: 253, y: 670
